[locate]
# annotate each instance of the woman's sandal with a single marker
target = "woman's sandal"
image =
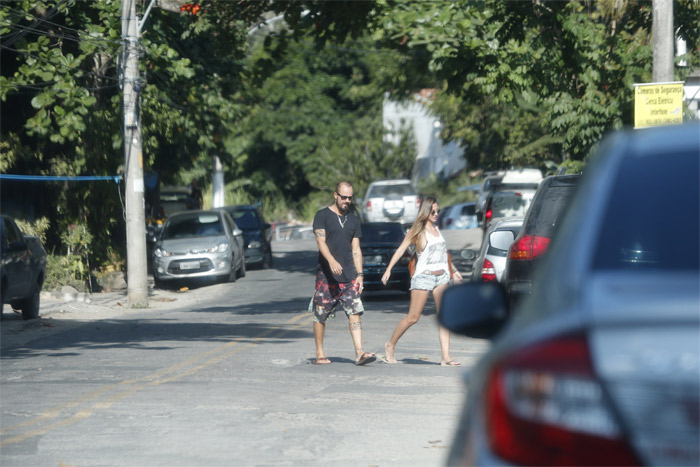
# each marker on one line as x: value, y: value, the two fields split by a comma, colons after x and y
x: 450, y: 363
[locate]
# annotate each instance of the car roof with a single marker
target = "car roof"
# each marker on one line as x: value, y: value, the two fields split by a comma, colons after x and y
x: 195, y: 213
x: 506, y: 222
x: 522, y: 176
x: 250, y: 207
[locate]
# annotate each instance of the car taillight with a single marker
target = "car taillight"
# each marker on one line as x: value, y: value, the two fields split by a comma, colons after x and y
x: 488, y: 272
x: 448, y: 221
x: 368, y: 206
x: 488, y: 215
x: 528, y: 247
x: 545, y: 407
x: 417, y: 203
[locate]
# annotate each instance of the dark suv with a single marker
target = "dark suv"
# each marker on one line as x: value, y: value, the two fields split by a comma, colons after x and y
x: 529, y: 246
x: 257, y: 234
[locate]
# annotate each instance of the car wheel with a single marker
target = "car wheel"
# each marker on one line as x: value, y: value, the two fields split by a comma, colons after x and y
x: 267, y: 260
x: 30, y: 305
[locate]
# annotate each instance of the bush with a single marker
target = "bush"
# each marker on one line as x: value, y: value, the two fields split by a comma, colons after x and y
x: 59, y: 272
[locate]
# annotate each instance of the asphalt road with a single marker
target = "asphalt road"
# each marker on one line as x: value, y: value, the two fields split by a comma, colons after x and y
x: 222, y: 375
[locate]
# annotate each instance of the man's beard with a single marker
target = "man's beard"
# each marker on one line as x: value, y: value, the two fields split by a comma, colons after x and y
x: 341, y: 209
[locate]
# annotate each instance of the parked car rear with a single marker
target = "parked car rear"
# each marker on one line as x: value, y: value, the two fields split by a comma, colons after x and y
x: 600, y: 365
x: 508, y: 200
x: 490, y: 260
x: 542, y: 219
x: 390, y: 201
x: 458, y: 216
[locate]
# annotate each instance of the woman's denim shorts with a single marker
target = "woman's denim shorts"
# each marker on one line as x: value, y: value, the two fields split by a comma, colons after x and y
x: 429, y: 281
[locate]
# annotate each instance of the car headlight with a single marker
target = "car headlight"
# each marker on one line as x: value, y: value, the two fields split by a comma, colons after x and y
x: 159, y: 252
x: 254, y: 244
x: 219, y: 248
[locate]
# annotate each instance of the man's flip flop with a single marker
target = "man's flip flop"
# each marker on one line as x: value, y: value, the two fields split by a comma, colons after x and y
x: 322, y: 361
x: 366, y: 358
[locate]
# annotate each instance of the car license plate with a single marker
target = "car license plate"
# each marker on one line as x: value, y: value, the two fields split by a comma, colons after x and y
x: 372, y: 259
x: 190, y: 265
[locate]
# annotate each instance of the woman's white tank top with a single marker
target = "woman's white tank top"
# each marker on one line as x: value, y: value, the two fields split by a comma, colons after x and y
x: 434, y: 256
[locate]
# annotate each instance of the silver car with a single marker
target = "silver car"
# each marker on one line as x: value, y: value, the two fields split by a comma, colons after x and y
x: 600, y: 365
x: 490, y: 260
x: 390, y: 201
x: 199, y: 244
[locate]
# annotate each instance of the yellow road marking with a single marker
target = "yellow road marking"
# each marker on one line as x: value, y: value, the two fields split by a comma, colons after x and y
x: 153, y: 379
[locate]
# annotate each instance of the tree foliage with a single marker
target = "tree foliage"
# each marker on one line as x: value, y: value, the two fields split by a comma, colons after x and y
x: 292, y: 109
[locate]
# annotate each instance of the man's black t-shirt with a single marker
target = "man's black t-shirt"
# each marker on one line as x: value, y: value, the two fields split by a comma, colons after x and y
x: 340, y: 230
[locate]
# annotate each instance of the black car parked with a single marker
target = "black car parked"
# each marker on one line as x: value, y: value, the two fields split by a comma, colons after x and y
x: 257, y: 234
x: 378, y: 243
x: 540, y: 222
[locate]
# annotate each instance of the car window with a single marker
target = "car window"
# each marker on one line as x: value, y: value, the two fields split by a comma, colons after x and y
x: 198, y: 226
x: 389, y: 233
x: 245, y: 219
x: 547, y: 211
x: 510, y: 203
x: 468, y: 210
x: 648, y: 228
x: 378, y: 191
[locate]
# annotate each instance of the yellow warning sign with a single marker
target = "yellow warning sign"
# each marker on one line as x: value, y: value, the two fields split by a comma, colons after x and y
x: 657, y: 104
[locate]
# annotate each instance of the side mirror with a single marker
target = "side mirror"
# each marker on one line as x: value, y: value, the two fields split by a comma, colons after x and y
x: 474, y: 309
x: 266, y: 226
x: 501, y: 239
x: 237, y: 232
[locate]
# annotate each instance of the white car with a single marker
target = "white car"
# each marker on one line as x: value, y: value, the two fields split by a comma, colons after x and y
x: 197, y: 245
x: 390, y: 201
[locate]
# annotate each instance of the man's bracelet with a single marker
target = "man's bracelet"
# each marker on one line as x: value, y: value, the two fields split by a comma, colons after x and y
x: 360, y: 275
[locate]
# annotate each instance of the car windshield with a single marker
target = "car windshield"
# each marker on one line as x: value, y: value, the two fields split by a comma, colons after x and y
x: 382, y: 233
x: 383, y: 190
x: 245, y: 219
x: 172, y: 202
x: 650, y: 230
x: 468, y: 210
x: 202, y: 225
x: 510, y: 203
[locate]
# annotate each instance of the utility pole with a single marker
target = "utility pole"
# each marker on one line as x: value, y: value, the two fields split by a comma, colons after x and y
x: 663, y: 38
x: 136, y: 257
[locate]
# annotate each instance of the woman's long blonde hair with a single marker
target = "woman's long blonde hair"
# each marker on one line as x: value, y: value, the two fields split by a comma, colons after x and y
x: 418, y: 227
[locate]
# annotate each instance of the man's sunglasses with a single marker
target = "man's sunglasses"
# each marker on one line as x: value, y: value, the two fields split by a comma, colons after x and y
x: 344, y: 198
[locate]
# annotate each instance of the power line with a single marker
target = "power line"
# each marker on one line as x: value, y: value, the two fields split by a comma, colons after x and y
x: 91, y: 73
x: 98, y: 42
